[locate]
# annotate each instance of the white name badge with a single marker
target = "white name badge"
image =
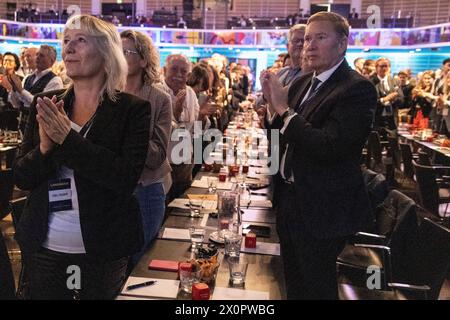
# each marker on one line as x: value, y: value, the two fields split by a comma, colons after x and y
x: 59, y: 195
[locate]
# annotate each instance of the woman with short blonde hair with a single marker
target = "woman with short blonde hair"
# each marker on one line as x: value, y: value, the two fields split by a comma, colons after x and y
x: 83, y: 152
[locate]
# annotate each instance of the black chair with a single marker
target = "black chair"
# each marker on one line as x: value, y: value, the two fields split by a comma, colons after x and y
x: 396, y: 226
x: 6, y: 190
x: 432, y: 192
x: 10, y: 156
x: 7, y: 287
x: 423, y: 272
x: 407, y: 159
x: 377, y: 187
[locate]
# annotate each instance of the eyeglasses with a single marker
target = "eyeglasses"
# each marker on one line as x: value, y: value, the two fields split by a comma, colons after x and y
x: 127, y: 52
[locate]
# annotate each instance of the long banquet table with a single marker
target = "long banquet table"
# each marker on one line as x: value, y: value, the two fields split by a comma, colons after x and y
x: 265, y: 272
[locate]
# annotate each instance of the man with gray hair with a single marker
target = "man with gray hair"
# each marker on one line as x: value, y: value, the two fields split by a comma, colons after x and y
x: 185, y: 109
x: 41, y: 80
x: 295, y: 46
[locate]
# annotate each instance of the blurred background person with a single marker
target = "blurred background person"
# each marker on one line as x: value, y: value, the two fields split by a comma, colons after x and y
x: 359, y: 65
x: 144, y: 81
x: 41, y: 80
x: 289, y: 73
x: 368, y: 68
x: 423, y: 99
x: 185, y: 110
x: 390, y: 96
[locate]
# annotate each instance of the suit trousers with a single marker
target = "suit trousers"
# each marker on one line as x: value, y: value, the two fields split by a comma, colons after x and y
x: 309, y: 263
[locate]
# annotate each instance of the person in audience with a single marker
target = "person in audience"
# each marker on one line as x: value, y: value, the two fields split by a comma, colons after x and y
x: 29, y: 58
x: 144, y: 81
x: 353, y: 14
x: 443, y: 104
x: 390, y: 95
x: 83, y: 152
x: 287, y: 61
x: 325, y: 118
x: 439, y: 82
x: 368, y: 68
x: 406, y: 88
x: 41, y: 80
x: 423, y: 99
x: 290, y: 73
x: 11, y: 64
x: 185, y: 109
x: 359, y: 64
x: 181, y: 23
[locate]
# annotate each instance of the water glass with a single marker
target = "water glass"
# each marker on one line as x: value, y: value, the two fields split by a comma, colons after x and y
x: 238, y: 271
x: 227, y: 209
x: 197, y: 235
x: 212, y: 184
x: 195, y: 206
x: 233, y: 243
x: 188, y: 278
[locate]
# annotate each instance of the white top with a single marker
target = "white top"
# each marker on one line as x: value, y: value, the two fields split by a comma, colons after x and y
x: 182, y: 153
x: 64, y: 229
x: 26, y: 97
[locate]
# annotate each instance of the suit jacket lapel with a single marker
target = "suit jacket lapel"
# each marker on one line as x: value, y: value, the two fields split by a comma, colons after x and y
x: 104, y: 115
x: 323, y: 91
x: 301, y: 91
x: 321, y: 94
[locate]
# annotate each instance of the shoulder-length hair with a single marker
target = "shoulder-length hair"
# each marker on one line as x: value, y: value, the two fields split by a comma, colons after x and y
x: 147, y: 51
x: 108, y: 43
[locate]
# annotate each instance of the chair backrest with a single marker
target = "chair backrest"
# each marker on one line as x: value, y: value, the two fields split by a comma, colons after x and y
x: 377, y: 187
x: 394, y: 150
x: 427, y: 187
x: 430, y: 258
x: 396, y: 219
x: 6, y: 191
x: 424, y: 158
x: 11, y: 157
x: 7, y: 287
x: 374, y: 150
x: 17, y: 206
x: 407, y: 158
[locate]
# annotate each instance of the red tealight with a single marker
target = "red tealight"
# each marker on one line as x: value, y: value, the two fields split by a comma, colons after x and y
x: 200, y: 291
x: 250, y: 240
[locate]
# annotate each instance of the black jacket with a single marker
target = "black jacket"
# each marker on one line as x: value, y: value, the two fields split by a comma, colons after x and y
x: 107, y: 165
x: 328, y: 136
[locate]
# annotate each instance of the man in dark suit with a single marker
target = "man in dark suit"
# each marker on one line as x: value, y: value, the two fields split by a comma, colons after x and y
x: 325, y: 118
x: 390, y: 95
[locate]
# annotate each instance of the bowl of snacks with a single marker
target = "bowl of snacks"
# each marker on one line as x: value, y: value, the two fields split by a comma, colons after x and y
x: 208, y: 268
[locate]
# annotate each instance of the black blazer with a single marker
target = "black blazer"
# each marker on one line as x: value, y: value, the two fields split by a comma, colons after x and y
x: 328, y: 136
x: 381, y: 93
x: 107, y: 165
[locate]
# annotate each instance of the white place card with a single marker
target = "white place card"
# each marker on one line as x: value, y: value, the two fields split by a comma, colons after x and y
x: 256, y: 203
x: 163, y: 288
x: 272, y: 249
x: 208, y: 205
x: 177, y: 234
x: 203, y: 183
x: 221, y: 293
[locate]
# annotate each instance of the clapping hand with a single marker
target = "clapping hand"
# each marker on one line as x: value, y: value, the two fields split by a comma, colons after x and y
x: 274, y: 92
x: 54, y: 121
x: 179, y: 103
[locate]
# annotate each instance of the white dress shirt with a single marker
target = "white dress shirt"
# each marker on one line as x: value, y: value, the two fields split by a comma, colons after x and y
x: 188, y: 116
x: 25, y: 97
x: 324, y: 76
